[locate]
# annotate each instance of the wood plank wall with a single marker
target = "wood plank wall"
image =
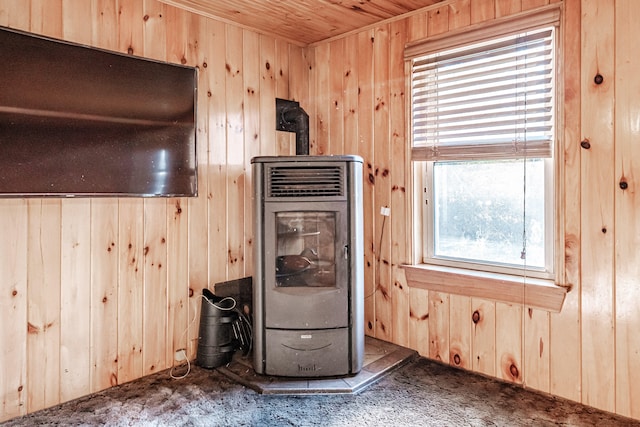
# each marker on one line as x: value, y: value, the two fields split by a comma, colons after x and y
x: 98, y: 292
x: 590, y: 351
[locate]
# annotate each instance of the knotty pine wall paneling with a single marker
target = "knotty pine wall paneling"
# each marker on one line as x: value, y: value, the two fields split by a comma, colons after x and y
x: 268, y: 94
x: 586, y: 352
x: 366, y: 100
x: 627, y: 206
x: 418, y: 298
x: 102, y: 291
x: 285, y: 140
x: 235, y: 150
x: 251, y: 81
x: 564, y: 334
x: 382, y: 189
x: 398, y: 230
x: 336, y: 105
x: 597, y: 210
x: 14, y: 300
x: 215, y: 91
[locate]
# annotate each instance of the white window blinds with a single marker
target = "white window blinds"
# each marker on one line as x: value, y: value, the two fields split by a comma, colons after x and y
x: 489, y: 99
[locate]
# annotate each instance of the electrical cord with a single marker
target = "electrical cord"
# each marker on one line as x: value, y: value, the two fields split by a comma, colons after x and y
x: 241, y: 327
x: 378, y: 255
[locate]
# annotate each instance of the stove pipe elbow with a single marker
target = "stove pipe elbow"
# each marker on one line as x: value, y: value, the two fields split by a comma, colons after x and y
x: 290, y: 117
x: 300, y: 119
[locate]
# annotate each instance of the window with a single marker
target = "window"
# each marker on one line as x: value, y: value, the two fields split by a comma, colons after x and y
x: 483, y: 122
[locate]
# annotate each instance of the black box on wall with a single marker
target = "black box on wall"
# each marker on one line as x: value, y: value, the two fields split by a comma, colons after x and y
x: 239, y: 289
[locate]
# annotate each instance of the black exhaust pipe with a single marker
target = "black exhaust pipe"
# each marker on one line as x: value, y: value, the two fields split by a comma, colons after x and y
x: 290, y: 117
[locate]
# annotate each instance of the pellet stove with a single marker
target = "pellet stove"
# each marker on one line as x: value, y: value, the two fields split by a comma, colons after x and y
x: 308, y: 279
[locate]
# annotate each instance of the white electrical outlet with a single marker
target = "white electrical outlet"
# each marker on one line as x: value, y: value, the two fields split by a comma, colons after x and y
x: 181, y: 355
x: 384, y: 210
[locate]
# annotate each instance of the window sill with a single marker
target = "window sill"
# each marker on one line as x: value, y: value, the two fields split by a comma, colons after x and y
x: 537, y: 293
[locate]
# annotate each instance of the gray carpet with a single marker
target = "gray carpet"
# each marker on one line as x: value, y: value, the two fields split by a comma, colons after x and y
x: 420, y: 393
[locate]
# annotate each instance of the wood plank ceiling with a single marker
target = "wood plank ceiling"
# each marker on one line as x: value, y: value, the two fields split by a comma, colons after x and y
x: 302, y: 22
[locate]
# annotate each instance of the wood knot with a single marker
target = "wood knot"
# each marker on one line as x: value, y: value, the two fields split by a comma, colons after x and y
x: 456, y: 359
x: 191, y: 292
x: 598, y: 79
x: 513, y: 369
x: 585, y: 144
x: 624, y: 185
x: 475, y: 317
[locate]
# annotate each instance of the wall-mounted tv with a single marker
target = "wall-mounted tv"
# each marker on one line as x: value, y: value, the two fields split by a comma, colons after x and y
x: 86, y: 122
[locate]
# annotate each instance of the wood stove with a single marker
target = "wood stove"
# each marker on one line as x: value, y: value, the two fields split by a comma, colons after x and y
x: 308, y: 279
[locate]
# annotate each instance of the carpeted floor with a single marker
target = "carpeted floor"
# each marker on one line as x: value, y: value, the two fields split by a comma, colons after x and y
x: 420, y: 393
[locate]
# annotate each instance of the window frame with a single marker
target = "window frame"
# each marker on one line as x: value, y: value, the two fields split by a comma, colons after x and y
x: 428, y: 232
x: 549, y: 292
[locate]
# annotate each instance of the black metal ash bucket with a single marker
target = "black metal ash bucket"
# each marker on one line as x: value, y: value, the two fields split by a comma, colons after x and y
x: 216, y: 339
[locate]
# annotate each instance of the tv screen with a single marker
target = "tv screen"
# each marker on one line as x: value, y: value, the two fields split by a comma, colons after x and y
x: 81, y: 121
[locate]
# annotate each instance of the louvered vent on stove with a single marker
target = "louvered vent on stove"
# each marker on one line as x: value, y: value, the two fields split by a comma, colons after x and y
x: 296, y: 181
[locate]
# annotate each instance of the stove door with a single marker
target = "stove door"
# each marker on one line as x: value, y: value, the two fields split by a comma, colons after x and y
x: 306, y: 265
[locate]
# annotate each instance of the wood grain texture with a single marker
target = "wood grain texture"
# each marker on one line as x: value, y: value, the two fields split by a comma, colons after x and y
x: 104, y: 296
x: 43, y: 309
x: 592, y: 351
x: 483, y: 336
x: 336, y: 98
x: 565, y: 326
x: 130, y: 289
x: 627, y: 206
x: 398, y: 171
x: 365, y: 150
x: 236, y: 168
x: 110, y: 316
x: 252, y: 131
x: 303, y: 21
x: 509, y: 343
x: 75, y: 300
x: 536, y: 349
x: 597, y: 207
x: 13, y: 316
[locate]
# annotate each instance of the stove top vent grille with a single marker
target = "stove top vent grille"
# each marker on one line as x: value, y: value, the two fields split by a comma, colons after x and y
x: 297, y: 181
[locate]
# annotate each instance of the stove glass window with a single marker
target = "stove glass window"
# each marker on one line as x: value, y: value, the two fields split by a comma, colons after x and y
x: 306, y: 249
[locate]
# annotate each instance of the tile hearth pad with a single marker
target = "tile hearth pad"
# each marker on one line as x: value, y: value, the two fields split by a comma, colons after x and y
x: 380, y: 358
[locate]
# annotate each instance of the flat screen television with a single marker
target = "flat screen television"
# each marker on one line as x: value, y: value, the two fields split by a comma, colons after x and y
x: 86, y: 122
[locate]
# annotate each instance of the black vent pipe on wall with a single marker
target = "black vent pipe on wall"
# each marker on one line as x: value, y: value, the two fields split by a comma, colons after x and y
x: 290, y: 117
